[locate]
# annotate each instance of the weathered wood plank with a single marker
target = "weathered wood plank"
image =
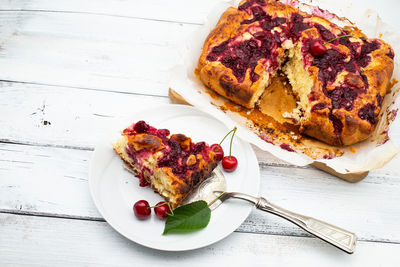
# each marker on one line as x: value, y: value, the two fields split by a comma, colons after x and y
x: 188, y: 11
x: 63, y: 116
x: 30, y: 240
x: 185, y: 11
x: 53, y: 181
x: 100, y: 52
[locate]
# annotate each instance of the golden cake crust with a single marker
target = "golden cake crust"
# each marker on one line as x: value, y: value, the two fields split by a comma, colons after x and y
x: 331, y: 112
x: 221, y: 79
x: 378, y: 72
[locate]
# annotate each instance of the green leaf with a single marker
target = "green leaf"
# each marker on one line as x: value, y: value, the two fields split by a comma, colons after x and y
x: 187, y: 218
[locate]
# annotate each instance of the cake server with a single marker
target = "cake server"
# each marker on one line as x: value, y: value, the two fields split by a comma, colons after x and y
x: 215, y: 186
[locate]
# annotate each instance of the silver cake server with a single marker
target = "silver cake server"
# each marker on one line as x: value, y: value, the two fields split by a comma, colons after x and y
x: 215, y: 186
x: 205, y: 191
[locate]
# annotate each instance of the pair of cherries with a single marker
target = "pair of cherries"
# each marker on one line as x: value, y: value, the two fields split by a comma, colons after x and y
x: 142, y: 209
x: 229, y: 163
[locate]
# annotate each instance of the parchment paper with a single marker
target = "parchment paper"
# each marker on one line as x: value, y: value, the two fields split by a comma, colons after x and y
x: 370, y: 154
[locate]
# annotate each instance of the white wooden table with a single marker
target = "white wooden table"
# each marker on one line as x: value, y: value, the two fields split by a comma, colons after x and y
x: 67, y: 68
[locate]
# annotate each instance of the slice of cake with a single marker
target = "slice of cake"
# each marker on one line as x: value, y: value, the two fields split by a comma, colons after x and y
x: 172, y: 165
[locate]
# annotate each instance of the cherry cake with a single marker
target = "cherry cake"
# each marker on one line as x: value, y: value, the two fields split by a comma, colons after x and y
x: 338, y: 76
x: 172, y: 165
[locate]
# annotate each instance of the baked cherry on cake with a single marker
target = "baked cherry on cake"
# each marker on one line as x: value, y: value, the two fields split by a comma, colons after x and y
x: 338, y: 75
x: 172, y: 165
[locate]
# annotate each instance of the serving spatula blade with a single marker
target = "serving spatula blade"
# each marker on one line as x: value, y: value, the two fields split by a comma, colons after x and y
x: 205, y: 191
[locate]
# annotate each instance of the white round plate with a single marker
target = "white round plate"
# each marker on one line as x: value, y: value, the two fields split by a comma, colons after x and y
x: 114, y: 190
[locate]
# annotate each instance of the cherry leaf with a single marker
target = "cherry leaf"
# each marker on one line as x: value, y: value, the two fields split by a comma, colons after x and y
x: 191, y: 217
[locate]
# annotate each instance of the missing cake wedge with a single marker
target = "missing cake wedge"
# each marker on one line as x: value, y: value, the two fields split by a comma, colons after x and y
x: 172, y: 165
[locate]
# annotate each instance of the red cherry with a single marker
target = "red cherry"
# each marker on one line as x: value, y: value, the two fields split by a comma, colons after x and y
x: 219, y: 152
x: 317, y: 48
x: 142, y: 209
x: 162, y: 210
x: 229, y: 163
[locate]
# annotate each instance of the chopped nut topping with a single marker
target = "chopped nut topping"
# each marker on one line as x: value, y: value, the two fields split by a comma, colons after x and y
x: 191, y: 160
x: 145, y: 141
x: 183, y: 141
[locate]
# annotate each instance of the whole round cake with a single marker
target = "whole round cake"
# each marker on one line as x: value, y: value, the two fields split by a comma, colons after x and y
x: 338, y: 75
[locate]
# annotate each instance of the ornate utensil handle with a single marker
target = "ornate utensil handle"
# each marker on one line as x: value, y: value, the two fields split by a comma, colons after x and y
x: 334, y: 235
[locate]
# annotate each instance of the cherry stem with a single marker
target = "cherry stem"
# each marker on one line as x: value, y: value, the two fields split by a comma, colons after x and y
x: 230, y: 146
x: 212, y: 202
x: 169, y: 206
x: 342, y: 36
x: 219, y: 145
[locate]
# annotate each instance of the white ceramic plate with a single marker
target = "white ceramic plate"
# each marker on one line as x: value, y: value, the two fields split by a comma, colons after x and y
x: 114, y: 190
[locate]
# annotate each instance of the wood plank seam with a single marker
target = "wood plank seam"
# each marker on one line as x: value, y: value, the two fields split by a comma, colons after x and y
x: 51, y: 215
x: 80, y: 88
x: 98, y: 14
x: 14, y: 142
x: 96, y: 219
x: 100, y: 219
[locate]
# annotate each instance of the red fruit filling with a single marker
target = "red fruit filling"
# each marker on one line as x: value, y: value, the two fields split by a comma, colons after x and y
x: 343, y: 97
x: 325, y: 33
x: 174, y: 156
x: 247, y: 4
x: 379, y: 99
x: 141, y: 127
x: 241, y: 56
x: 367, y: 112
x: 318, y: 106
x: 337, y: 124
x: 286, y: 147
x: 390, y: 54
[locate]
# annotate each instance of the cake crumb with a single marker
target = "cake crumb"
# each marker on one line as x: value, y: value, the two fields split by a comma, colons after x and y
x: 353, y: 150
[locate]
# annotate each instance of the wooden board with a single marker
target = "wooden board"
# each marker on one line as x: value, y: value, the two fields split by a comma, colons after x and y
x: 350, y: 177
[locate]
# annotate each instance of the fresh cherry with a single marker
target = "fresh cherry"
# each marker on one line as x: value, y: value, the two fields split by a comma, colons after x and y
x: 162, y: 210
x: 229, y: 163
x: 317, y: 48
x: 142, y: 209
x: 219, y: 152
